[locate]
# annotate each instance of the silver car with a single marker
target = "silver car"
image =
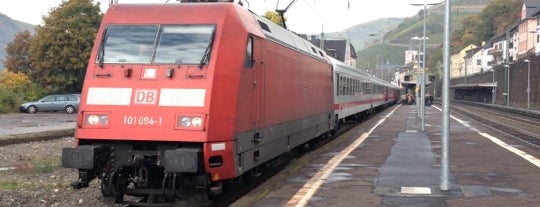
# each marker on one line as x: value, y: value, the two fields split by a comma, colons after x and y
x: 61, y: 102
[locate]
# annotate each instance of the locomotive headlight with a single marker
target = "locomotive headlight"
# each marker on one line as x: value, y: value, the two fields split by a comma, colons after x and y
x: 93, y: 119
x: 196, y: 121
x: 190, y: 122
x: 186, y: 121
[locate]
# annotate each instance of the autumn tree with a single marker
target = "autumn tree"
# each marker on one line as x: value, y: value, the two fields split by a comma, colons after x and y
x: 62, y: 45
x: 16, y: 87
x: 18, y: 53
x: 274, y: 17
x: 497, y: 17
x: 494, y: 19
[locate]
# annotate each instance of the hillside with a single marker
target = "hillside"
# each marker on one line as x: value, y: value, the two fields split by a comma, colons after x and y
x: 363, y: 35
x: 10, y: 28
x: 398, y: 39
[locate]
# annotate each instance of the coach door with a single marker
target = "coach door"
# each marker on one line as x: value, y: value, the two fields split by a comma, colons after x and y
x: 251, y: 97
x: 258, y: 87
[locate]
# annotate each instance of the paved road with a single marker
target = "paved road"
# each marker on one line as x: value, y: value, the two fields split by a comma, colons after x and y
x: 23, y: 127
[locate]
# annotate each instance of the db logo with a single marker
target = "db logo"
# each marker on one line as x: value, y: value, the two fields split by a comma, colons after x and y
x: 145, y: 96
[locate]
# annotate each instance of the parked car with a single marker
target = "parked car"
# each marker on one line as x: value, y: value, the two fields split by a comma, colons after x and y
x: 59, y: 102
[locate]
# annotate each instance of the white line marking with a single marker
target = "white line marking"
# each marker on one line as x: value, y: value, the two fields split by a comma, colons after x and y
x: 416, y: 190
x: 524, y: 155
x: 411, y: 131
x: 301, y: 198
x: 7, y: 168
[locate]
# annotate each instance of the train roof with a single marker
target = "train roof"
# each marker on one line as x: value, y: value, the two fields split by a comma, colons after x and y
x: 287, y: 38
x: 342, y: 67
x: 168, y: 14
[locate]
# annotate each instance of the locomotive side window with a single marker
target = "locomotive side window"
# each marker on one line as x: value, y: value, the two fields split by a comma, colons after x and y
x: 169, y: 44
x: 248, y: 61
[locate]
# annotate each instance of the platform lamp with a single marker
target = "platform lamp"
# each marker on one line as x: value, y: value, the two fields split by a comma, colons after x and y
x: 507, y: 94
x: 528, y: 83
x: 494, y: 87
x: 420, y: 79
x: 422, y: 87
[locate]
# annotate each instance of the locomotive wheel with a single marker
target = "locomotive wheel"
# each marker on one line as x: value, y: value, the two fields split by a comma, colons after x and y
x: 110, y: 189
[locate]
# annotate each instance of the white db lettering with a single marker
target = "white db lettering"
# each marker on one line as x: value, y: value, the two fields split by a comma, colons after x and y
x: 145, y: 96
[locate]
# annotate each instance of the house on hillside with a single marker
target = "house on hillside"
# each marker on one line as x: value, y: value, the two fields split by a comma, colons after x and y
x: 411, y: 54
x: 527, y: 29
x: 496, y: 48
x: 457, y: 60
x: 487, y: 57
x: 536, y: 16
x: 473, y: 61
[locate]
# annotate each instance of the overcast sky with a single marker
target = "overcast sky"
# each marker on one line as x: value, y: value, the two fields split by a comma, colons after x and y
x: 304, y: 16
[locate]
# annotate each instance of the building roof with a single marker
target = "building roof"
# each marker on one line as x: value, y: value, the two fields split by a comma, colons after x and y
x: 531, y: 7
x: 474, y: 85
x: 335, y: 48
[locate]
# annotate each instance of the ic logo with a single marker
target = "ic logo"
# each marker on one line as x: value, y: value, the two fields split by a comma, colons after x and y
x: 145, y: 96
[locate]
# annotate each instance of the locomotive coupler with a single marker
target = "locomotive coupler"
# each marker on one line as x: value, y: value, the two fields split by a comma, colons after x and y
x: 83, y: 181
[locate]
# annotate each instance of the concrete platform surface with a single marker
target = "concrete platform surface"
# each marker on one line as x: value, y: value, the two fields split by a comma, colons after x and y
x: 389, y: 161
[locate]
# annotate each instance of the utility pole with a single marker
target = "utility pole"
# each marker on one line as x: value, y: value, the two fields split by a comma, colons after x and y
x: 445, y: 101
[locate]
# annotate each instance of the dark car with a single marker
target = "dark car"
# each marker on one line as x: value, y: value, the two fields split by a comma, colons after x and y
x: 60, y: 102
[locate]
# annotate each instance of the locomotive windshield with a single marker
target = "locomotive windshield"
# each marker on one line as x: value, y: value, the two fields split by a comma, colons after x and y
x: 157, y: 44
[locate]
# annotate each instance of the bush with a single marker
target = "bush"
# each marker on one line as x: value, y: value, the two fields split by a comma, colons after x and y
x: 16, y: 88
x: 9, y: 102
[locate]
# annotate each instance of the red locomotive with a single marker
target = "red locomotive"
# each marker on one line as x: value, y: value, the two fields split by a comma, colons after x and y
x: 178, y: 98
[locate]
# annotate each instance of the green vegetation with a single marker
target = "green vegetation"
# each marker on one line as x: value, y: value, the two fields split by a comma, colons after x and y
x: 10, y: 185
x: 379, y: 54
x: 38, y: 165
x: 46, y: 165
x: 473, y: 21
x: 15, y: 88
x: 54, y: 59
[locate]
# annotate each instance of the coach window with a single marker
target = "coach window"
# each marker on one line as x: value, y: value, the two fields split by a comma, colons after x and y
x: 342, y: 86
x: 248, y: 60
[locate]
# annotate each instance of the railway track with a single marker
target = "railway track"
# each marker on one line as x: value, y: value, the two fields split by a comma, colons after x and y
x: 518, y: 126
x: 235, y: 189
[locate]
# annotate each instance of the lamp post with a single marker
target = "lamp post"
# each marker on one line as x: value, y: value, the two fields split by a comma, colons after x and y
x: 493, y: 89
x: 528, y: 83
x: 423, y: 78
x: 507, y: 67
x: 420, y: 79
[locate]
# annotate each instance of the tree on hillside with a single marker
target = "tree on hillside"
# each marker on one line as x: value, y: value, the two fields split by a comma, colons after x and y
x: 467, y: 34
x: 62, y: 45
x: 18, y: 54
x: 496, y: 17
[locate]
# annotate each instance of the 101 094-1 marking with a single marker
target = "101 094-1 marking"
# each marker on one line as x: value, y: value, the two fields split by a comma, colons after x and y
x: 142, y: 120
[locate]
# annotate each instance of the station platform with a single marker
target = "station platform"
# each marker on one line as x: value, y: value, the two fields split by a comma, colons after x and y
x: 389, y: 161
